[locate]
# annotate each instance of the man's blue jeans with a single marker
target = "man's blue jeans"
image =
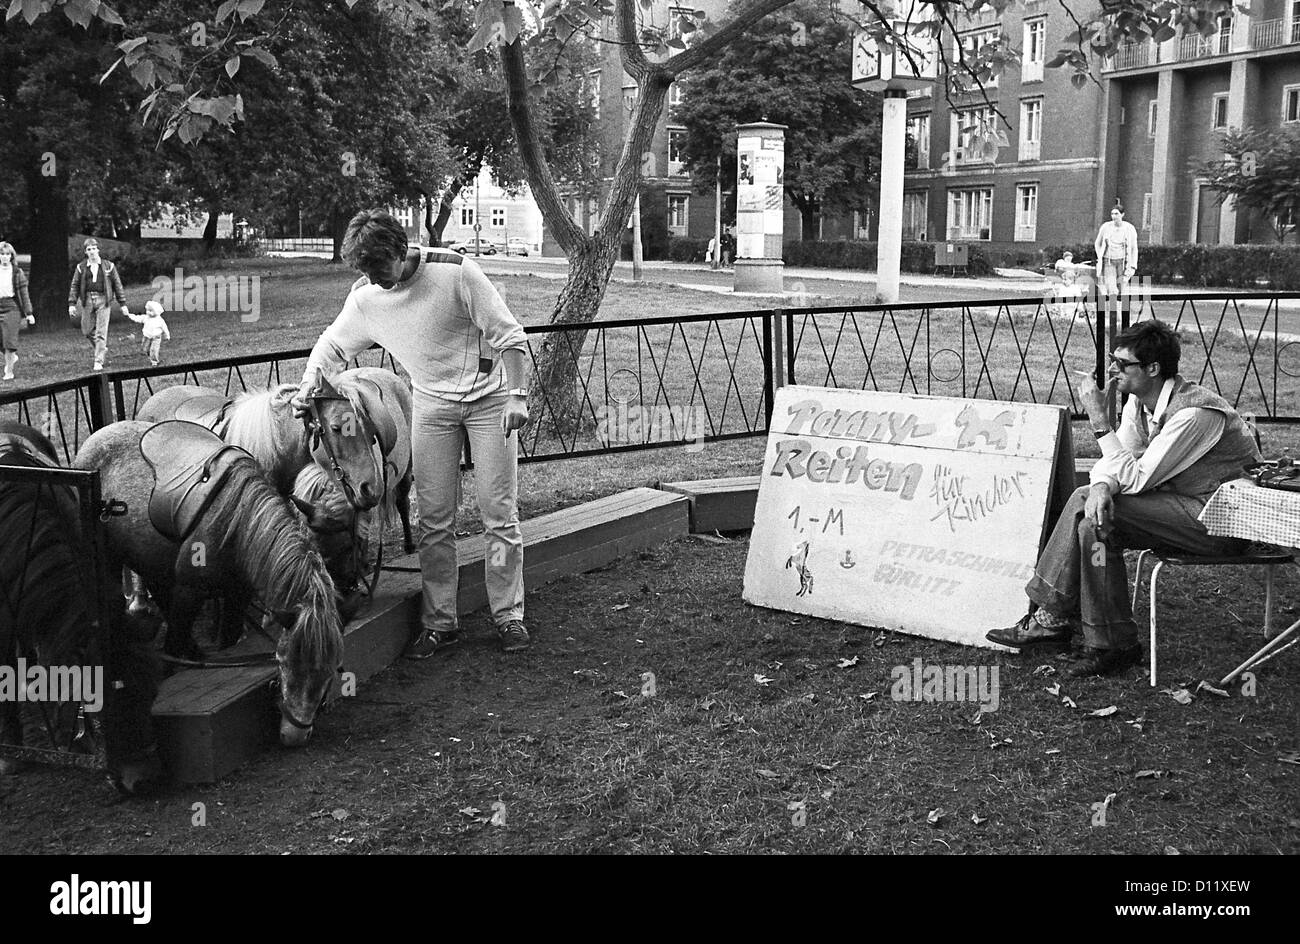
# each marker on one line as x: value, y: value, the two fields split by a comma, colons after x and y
x: 1079, y: 574
x: 94, y: 324
x: 439, y: 428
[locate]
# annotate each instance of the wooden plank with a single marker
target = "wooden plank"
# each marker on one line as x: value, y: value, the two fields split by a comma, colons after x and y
x: 210, y: 721
x: 725, y: 504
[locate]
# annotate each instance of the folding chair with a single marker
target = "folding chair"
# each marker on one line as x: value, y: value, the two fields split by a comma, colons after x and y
x: 1268, y: 559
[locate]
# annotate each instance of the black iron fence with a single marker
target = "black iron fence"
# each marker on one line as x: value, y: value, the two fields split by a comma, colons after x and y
x: 674, y: 380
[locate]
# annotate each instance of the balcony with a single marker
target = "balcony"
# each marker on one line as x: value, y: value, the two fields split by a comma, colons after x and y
x: 1266, y: 34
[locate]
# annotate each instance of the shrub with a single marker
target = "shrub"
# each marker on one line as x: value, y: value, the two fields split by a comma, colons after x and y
x: 687, y: 249
x: 1194, y: 265
x: 857, y: 254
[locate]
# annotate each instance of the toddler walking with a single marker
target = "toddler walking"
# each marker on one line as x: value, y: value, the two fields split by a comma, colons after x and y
x: 153, y: 332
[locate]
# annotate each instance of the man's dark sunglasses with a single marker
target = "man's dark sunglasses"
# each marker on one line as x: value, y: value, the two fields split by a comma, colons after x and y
x: 1122, y: 365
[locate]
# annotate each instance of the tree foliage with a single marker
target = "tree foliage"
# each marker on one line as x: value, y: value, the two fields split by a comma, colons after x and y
x: 789, y: 69
x: 1260, y: 169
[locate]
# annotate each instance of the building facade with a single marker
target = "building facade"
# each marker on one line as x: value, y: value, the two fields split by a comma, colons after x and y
x: 1164, y: 104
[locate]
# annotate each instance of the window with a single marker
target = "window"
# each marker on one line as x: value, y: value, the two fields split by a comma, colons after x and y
x: 593, y: 91
x: 675, y: 94
x: 967, y: 51
x: 1026, y: 212
x: 678, y: 207
x: 678, y: 15
x: 970, y: 213
x: 1219, y: 111
x: 964, y: 128
x: 1031, y: 129
x: 466, y: 216
x: 862, y: 224
x: 498, y: 217
x: 629, y: 95
x: 1291, y: 103
x: 916, y: 205
x: 1152, y: 109
x: 1146, y: 211
x: 918, y: 130
x: 1034, y: 52
x: 676, y: 150
x: 1123, y: 115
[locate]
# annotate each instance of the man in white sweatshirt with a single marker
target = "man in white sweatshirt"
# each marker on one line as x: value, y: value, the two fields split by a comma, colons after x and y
x: 442, y: 320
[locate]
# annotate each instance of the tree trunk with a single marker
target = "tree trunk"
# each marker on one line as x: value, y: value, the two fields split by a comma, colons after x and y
x: 434, y: 235
x: 810, y: 219
x: 338, y: 226
x: 210, y: 230
x: 444, y: 209
x: 556, y: 400
x: 48, y: 201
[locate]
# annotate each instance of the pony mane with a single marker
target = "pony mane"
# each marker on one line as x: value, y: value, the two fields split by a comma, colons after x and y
x: 275, y: 549
x: 384, y: 513
x: 254, y: 423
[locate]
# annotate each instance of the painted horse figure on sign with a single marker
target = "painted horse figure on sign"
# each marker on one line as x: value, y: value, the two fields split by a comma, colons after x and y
x: 52, y: 616
x: 337, y: 437
x: 202, y: 518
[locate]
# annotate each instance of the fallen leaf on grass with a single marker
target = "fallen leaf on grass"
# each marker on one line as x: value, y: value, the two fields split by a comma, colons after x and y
x: 346, y: 840
x: 1055, y: 750
x: 1137, y: 722
x: 1054, y: 689
x: 977, y: 819
x: 847, y: 663
x: 827, y: 794
x: 879, y: 640
x: 867, y: 696
x: 1170, y: 850
x: 821, y: 766
x: 707, y: 704
x: 934, y: 816
x: 1044, y: 670
x: 469, y: 811
x: 620, y: 693
x: 762, y: 679
x: 810, y: 697
x: 1293, y: 757
x: 1102, y: 712
x: 586, y: 673
x: 621, y: 606
x: 767, y: 774
x: 1180, y: 695
x: 340, y: 815
x: 1068, y: 702
x: 1204, y: 686
x: 979, y: 717
x: 1152, y: 774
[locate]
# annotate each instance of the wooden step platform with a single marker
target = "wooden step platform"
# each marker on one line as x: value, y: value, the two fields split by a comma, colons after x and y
x: 719, y: 504
x: 210, y: 721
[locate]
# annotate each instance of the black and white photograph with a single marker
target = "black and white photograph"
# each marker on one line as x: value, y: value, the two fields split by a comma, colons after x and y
x: 752, y: 427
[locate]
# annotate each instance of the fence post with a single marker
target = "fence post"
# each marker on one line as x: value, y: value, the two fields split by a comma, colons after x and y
x: 100, y: 395
x: 788, y: 343
x: 771, y: 363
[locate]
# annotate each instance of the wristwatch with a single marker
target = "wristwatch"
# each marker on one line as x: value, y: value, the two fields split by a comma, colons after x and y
x: 1100, y: 433
x: 518, y: 392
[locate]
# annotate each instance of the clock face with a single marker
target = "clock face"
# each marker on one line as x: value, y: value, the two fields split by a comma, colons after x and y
x: 864, y: 56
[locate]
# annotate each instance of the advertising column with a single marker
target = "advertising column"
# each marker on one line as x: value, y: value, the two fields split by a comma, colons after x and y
x: 760, y: 187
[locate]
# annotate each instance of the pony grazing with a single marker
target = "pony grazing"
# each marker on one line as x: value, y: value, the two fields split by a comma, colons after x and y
x: 49, y: 614
x: 262, y: 422
x: 215, y: 525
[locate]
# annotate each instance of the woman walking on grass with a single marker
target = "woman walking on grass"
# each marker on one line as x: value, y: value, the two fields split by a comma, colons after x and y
x: 15, y: 306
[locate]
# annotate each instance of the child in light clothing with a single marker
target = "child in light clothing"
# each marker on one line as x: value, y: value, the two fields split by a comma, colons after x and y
x: 153, y: 332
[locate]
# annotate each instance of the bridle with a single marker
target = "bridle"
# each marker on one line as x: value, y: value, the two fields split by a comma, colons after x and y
x: 315, y: 426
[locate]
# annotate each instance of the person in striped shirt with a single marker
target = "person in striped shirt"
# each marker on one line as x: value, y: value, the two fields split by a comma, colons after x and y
x: 444, y: 322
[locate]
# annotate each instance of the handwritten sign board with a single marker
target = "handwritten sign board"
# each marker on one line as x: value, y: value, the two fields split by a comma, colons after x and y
x: 915, y: 513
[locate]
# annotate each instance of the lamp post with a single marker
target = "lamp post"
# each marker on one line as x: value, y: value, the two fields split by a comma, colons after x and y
x: 894, y: 72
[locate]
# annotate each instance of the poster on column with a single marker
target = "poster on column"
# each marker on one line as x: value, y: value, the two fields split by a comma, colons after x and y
x: 749, y: 196
x: 913, y: 513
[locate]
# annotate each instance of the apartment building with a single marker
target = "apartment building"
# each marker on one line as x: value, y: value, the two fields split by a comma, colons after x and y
x: 1163, y: 104
x: 1045, y: 187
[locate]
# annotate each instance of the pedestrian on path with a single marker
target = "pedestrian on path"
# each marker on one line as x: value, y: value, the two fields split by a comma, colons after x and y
x: 93, y: 282
x: 15, y: 306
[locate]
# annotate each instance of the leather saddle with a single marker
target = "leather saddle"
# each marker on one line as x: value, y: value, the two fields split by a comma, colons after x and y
x: 190, y: 464
x: 207, y: 409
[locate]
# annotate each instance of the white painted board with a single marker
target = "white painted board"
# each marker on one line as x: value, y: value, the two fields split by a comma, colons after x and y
x: 914, y: 513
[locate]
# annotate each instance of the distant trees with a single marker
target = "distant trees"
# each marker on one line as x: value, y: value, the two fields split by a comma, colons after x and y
x: 1260, y: 170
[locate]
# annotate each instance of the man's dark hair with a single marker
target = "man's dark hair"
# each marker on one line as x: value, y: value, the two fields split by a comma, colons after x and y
x: 1152, y: 342
x: 373, y: 238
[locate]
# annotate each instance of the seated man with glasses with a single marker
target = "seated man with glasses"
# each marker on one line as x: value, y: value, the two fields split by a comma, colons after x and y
x: 1176, y: 443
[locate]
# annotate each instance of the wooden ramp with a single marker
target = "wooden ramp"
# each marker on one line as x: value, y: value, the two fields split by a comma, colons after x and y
x: 210, y: 721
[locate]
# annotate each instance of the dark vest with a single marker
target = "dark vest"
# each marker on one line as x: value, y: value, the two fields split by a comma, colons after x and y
x: 1230, y: 455
x: 100, y: 284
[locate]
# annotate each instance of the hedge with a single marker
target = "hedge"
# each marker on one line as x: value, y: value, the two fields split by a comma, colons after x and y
x: 1250, y: 268
x: 853, y: 254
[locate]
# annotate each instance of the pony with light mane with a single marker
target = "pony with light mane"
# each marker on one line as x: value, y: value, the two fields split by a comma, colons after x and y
x: 253, y: 547
x: 262, y: 422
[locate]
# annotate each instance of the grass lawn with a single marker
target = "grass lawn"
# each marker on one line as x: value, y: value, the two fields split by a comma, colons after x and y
x: 560, y: 745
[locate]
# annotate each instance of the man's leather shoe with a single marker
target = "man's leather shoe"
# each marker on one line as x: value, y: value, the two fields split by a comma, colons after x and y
x: 1104, y: 661
x: 1028, y: 632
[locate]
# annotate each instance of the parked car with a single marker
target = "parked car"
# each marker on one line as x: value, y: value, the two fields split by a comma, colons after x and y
x: 486, y: 247
x: 516, y: 246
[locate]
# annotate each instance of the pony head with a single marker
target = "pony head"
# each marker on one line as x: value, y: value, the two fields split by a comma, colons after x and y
x: 309, y: 652
x: 342, y: 442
